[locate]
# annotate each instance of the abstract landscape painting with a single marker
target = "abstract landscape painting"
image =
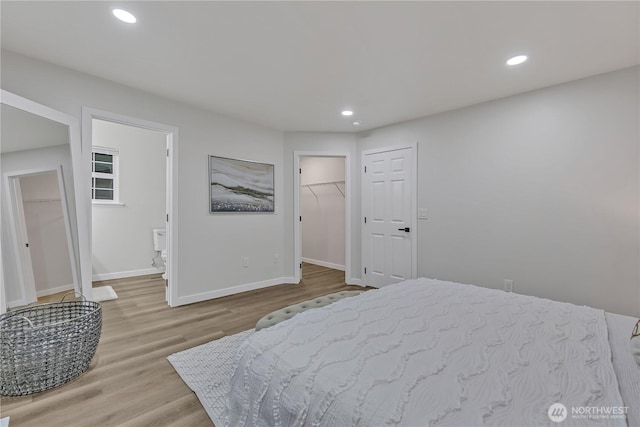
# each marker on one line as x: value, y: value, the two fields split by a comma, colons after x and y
x: 240, y: 185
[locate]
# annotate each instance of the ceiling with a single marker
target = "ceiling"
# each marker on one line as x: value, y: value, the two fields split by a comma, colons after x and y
x: 294, y: 66
x: 22, y: 130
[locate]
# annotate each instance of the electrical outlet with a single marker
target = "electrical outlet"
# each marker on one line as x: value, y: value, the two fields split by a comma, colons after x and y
x: 276, y: 258
x: 508, y: 285
x: 245, y: 262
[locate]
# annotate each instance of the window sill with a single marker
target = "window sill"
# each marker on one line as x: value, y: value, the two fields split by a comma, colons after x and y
x: 110, y: 204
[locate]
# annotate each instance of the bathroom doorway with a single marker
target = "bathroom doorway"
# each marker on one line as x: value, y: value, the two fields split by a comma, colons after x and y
x: 131, y: 188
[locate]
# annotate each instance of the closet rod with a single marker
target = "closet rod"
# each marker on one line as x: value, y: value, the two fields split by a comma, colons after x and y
x: 335, y: 183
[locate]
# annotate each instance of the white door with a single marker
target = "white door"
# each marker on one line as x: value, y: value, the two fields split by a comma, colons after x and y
x: 388, y: 231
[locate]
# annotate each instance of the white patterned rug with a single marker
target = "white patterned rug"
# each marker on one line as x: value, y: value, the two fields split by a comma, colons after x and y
x: 207, y: 370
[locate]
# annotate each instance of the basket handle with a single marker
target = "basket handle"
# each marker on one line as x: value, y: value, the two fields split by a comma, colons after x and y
x: 19, y: 317
x: 73, y: 292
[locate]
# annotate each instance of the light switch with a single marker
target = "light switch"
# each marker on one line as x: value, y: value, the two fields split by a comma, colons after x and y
x: 422, y: 213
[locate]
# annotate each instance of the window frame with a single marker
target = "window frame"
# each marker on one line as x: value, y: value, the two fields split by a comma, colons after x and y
x: 115, y: 175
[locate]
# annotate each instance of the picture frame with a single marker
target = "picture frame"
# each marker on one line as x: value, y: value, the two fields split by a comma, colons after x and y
x: 240, y: 186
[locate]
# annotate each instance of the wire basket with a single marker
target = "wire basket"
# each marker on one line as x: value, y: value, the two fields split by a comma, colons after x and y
x: 47, y: 345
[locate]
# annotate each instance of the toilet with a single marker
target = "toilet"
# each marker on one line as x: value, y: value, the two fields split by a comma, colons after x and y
x: 160, y: 246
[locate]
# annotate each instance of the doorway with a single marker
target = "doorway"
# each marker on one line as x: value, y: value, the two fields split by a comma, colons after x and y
x: 128, y: 190
x: 322, y: 193
x: 43, y: 241
x: 322, y: 207
x: 133, y: 178
x: 35, y: 139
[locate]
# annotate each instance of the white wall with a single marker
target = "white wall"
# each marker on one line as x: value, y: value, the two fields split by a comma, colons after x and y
x: 542, y: 188
x: 44, y: 158
x: 210, y: 247
x: 318, y: 170
x: 322, y: 205
x: 46, y: 231
x: 329, y: 143
x: 122, y: 236
x: 40, y: 187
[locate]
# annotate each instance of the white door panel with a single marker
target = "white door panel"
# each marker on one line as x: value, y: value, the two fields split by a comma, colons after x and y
x: 398, y: 257
x: 388, y: 211
x: 377, y: 259
x: 378, y: 202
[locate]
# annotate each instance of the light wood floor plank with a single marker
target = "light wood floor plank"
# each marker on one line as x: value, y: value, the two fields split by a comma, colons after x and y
x: 130, y: 382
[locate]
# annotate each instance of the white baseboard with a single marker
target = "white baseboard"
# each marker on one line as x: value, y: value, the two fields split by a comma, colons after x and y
x: 323, y: 263
x: 190, y: 299
x: 42, y: 293
x: 123, y: 274
x: 50, y: 291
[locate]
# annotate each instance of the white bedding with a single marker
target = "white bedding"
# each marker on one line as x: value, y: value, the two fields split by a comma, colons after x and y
x: 624, y: 365
x: 426, y: 352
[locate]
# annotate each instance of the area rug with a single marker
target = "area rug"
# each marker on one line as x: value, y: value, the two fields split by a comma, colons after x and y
x: 207, y: 370
x: 104, y: 293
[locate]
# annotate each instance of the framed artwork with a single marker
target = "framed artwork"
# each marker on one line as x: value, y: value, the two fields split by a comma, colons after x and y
x: 240, y: 186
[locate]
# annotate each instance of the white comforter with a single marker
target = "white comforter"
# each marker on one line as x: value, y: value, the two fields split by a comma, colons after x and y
x: 426, y: 352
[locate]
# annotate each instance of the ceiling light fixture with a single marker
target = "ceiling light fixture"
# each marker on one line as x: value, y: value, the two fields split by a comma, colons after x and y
x: 124, y: 16
x: 356, y: 123
x: 516, y: 60
x: 347, y: 113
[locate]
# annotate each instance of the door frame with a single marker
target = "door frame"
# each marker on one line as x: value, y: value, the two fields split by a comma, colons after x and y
x: 414, y: 202
x: 171, y: 132
x: 297, y: 229
x: 81, y: 260
x: 19, y: 230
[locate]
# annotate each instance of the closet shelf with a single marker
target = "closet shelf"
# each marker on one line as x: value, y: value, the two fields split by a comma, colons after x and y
x: 334, y: 183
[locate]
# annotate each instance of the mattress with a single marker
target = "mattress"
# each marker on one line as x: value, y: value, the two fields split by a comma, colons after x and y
x: 427, y: 352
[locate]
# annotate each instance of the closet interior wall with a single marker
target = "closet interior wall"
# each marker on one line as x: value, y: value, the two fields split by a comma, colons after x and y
x: 322, y: 206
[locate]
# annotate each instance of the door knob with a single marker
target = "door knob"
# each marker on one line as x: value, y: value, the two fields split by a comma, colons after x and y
x: 406, y: 229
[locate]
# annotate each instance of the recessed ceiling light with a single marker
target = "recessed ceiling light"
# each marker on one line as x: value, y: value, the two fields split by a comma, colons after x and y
x: 124, y: 16
x: 517, y: 60
x: 356, y: 123
x: 347, y: 113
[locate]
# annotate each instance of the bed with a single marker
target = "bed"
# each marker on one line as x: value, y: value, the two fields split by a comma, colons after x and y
x: 428, y: 352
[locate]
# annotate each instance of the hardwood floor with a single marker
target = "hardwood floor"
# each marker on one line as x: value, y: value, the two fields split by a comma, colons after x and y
x: 130, y: 382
